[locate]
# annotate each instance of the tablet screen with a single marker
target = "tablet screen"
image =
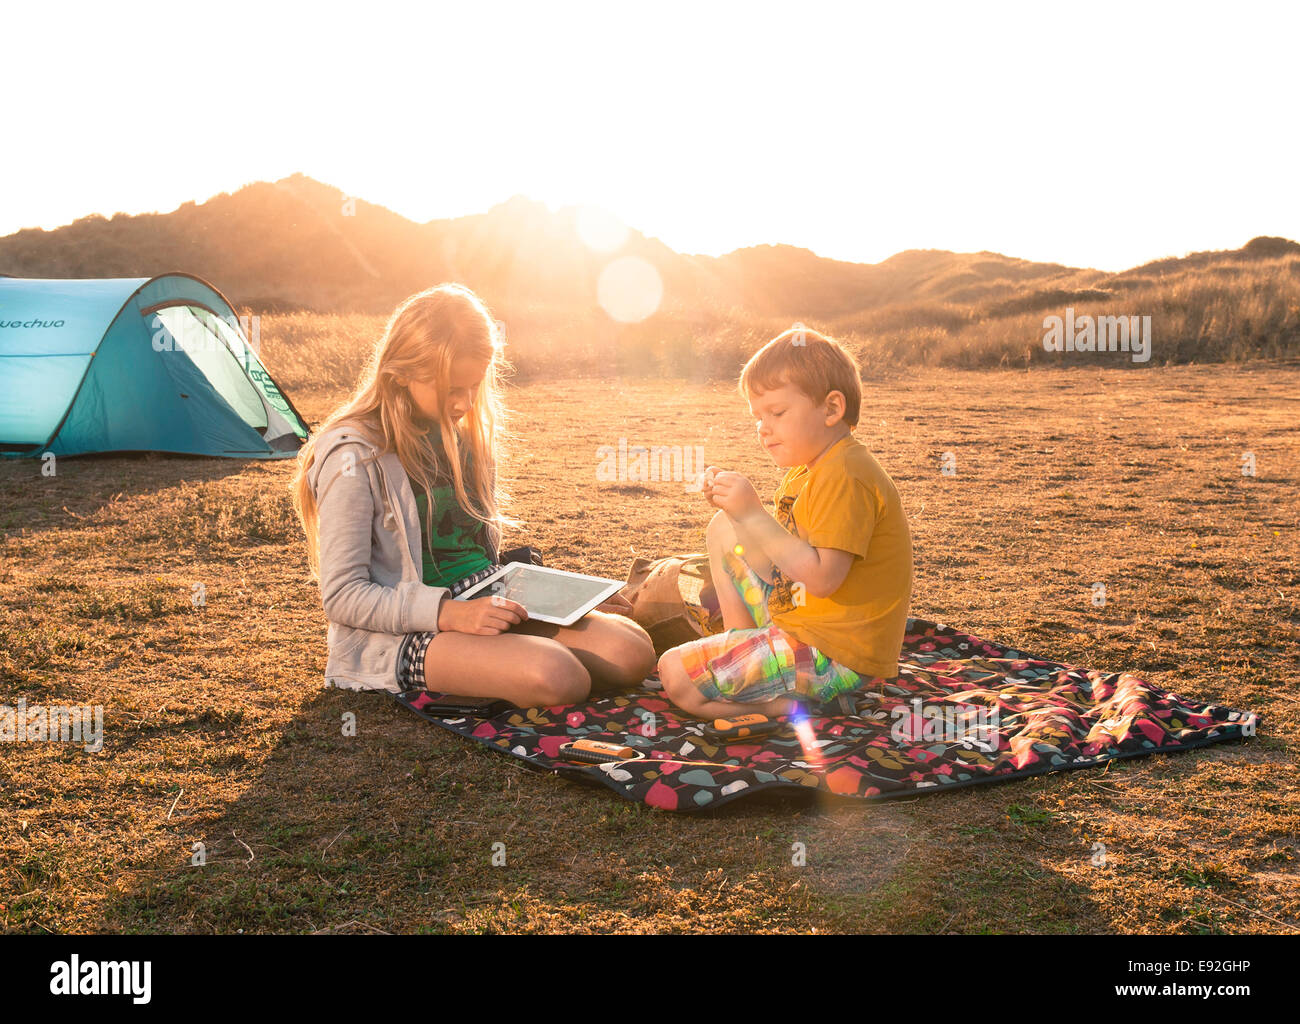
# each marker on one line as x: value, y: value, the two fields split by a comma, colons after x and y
x: 544, y: 593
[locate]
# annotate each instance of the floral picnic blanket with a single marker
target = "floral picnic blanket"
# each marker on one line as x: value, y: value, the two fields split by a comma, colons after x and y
x: 964, y: 711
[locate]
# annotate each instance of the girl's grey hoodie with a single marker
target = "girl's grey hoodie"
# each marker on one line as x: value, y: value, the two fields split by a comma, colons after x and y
x: 370, y: 561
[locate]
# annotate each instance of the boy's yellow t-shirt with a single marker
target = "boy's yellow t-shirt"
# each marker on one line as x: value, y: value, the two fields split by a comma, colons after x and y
x: 848, y: 501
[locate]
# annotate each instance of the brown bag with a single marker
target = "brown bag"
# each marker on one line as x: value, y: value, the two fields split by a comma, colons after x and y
x: 673, y: 599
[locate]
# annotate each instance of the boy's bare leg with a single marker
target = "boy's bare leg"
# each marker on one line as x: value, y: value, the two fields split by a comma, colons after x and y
x: 710, y: 709
x: 683, y: 693
x: 721, y: 537
x: 731, y: 535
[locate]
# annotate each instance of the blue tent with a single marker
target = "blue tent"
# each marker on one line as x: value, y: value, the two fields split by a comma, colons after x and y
x: 134, y: 364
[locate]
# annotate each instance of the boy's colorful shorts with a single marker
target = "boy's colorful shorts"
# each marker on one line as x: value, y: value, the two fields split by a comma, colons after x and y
x: 760, y: 664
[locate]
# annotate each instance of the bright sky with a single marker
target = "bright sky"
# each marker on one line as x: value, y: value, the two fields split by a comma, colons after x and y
x: 1104, y: 134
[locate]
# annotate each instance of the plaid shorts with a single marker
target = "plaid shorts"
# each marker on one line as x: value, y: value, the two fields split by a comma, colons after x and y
x: 750, y: 666
x: 410, y: 656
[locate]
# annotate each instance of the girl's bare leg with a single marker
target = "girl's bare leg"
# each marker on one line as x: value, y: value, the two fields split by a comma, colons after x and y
x: 615, y: 651
x: 528, y: 671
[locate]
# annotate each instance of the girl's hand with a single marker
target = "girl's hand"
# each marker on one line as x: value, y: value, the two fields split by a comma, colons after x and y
x: 734, y: 494
x: 616, y: 605
x: 483, y: 616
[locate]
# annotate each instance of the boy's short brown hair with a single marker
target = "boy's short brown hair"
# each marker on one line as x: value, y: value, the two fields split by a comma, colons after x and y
x: 812, y: 362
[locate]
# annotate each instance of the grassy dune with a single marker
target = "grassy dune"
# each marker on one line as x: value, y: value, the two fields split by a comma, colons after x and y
x: 1213, y: 311
x: 217, y: 730
x: 1221, y: 312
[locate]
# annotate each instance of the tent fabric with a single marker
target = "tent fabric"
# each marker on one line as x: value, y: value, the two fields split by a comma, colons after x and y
x: 134, y: 364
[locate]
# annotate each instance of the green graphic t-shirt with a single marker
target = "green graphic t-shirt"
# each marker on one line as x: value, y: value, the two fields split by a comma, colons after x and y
x: 457, y: 546
x: 459, y: 543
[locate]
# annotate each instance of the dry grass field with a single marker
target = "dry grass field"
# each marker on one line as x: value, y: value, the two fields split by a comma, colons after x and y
x: 218, y: 731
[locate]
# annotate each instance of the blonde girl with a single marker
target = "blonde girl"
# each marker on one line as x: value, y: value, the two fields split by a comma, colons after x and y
x: 397, y: 493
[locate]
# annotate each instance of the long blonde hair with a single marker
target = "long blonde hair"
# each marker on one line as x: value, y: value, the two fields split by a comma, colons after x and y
x: 424, y: 335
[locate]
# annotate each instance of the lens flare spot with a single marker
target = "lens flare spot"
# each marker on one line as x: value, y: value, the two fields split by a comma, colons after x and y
x: 629, y: 289
x: 812, y: 754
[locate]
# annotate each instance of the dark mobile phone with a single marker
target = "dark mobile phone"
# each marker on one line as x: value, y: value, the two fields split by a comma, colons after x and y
x: 479, y: 707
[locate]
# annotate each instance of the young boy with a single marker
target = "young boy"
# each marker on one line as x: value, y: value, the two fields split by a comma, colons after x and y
x: 815, y: 599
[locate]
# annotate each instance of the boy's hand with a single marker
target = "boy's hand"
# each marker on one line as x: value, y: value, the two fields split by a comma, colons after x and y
x: 706, y: 482
x: 484, y: 616
x: 733, y: 493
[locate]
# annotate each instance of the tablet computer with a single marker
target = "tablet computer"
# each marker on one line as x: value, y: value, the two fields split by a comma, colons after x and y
x: 549, y: 595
